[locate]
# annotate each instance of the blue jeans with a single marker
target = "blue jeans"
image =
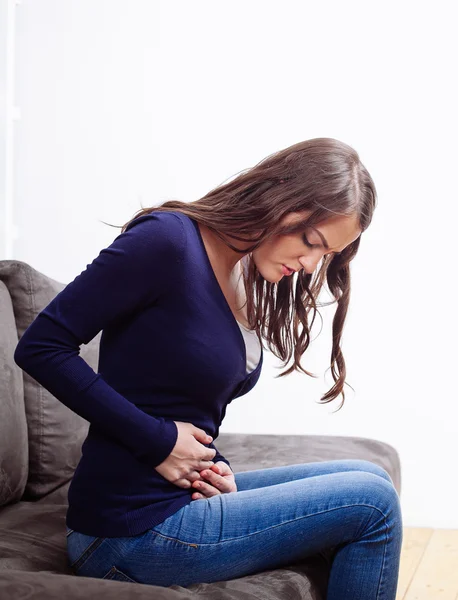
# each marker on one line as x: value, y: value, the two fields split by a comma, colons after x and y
x: 278, y: 516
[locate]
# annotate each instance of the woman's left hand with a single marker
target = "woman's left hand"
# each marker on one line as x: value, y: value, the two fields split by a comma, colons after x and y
x: 218, y: 479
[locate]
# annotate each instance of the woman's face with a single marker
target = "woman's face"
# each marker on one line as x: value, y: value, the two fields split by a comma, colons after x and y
x: 293, y: 251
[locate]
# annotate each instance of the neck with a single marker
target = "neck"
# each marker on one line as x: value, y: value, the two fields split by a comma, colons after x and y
x: 225, y: 257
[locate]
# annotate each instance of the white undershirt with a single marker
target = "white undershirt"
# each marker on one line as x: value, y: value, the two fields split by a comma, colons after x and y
x: 253, y: 348
x: 252, y: 345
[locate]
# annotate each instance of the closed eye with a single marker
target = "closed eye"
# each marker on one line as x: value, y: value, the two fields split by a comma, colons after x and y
x: 307, y: 243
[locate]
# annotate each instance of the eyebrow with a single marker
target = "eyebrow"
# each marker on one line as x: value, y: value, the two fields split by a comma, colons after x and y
x: 323, y: 239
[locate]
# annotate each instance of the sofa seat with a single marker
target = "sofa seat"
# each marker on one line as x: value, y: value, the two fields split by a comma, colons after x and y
x: 33, y: 541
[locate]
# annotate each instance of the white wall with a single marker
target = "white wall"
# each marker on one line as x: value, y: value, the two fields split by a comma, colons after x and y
x: 129, y: 102
x: 7, y: 116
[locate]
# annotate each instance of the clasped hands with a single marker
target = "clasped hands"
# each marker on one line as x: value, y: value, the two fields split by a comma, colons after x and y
x: 218, y: 479
x: 188, y: 455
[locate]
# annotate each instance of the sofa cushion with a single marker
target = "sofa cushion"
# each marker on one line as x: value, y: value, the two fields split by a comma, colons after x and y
x: 55, y: 432
x: 14, y: 451
x: 276, y: 584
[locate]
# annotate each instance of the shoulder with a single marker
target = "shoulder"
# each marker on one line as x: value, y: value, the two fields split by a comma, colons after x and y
x: 159, y: 230
x: 157, y: 220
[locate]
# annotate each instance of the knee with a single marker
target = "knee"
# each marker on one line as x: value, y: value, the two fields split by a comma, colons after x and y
x: 370, y: 467
x: 377, y: 493
x: 381, y: 494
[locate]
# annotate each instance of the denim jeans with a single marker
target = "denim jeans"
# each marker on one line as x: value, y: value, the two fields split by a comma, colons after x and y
x: 278, y: 515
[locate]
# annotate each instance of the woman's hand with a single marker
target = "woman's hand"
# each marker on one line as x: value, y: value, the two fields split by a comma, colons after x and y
x: 189, y: 456
x: 219, y: 479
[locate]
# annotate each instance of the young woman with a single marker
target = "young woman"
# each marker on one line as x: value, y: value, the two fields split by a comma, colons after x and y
x: 185, y: 297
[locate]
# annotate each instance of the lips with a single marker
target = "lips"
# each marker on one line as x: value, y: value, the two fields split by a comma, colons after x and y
x: 286, y: 270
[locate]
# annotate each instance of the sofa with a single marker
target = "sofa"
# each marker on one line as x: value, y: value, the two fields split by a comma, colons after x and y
x: 40, y: 446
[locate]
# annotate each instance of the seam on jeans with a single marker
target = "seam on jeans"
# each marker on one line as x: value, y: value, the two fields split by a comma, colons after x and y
x: 363, y: 528
x: 174, y: 539
x: 384, y: 556
x: 87, y: 553
x: 112, y: 575
x: 277, y: 525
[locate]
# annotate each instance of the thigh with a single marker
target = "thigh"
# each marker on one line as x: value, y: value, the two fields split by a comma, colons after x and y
x: 244, y: 532
x: 248, y: 480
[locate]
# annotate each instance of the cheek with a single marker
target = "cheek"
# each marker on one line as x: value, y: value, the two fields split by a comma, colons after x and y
x: 274, y: 251
x: 272, y: 247
x: 283, y: 250
x: 263, y: 254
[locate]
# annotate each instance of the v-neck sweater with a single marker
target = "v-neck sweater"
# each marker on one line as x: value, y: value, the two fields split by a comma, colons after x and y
x: 171, y: 350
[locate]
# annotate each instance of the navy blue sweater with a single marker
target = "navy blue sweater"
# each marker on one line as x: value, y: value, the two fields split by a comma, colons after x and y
x: 170, y: 350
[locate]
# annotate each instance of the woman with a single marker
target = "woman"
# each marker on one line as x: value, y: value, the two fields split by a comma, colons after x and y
x: 184, y: 297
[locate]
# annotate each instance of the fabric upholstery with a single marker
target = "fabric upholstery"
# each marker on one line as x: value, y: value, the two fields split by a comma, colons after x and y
x: 14, y: 450
x: 55, y: 432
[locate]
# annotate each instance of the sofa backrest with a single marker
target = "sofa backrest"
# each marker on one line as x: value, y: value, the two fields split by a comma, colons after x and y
x: 55, y: 433
x: 14, y: 448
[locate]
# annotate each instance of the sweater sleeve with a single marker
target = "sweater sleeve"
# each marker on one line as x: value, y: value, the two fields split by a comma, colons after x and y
x: 130, y: 274
x: 218, y: 456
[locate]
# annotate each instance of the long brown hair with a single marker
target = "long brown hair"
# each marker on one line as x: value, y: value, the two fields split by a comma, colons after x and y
x: 321, y: 175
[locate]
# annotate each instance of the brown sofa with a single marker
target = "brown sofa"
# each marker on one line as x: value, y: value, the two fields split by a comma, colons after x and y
x: 40, y: 445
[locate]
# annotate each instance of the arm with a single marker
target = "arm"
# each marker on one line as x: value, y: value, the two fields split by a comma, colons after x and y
x: 127, y: 276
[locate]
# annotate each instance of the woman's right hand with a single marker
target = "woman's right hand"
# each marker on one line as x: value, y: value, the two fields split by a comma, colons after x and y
x: 188, y: 457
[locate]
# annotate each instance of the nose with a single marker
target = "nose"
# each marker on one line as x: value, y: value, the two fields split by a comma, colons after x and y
x: 309, y: 263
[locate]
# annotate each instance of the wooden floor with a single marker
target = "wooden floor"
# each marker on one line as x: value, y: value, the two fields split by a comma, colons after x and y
x: 429, y: 564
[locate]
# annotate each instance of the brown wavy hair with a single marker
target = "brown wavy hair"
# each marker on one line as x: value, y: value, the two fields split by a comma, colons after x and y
x: 321, y: 175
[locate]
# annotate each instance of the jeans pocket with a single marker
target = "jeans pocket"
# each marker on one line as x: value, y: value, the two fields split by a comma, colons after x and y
x: 80, y: 547
x: 118, y: 575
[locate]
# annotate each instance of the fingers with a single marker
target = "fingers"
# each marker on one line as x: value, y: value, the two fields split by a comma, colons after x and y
x: 212, y: 480
x: 186, y: 482
x: 210, y: 454
x: 204, y: 490
x: 183, y: 483
x: 193, y: 476
x: 210, y: 485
